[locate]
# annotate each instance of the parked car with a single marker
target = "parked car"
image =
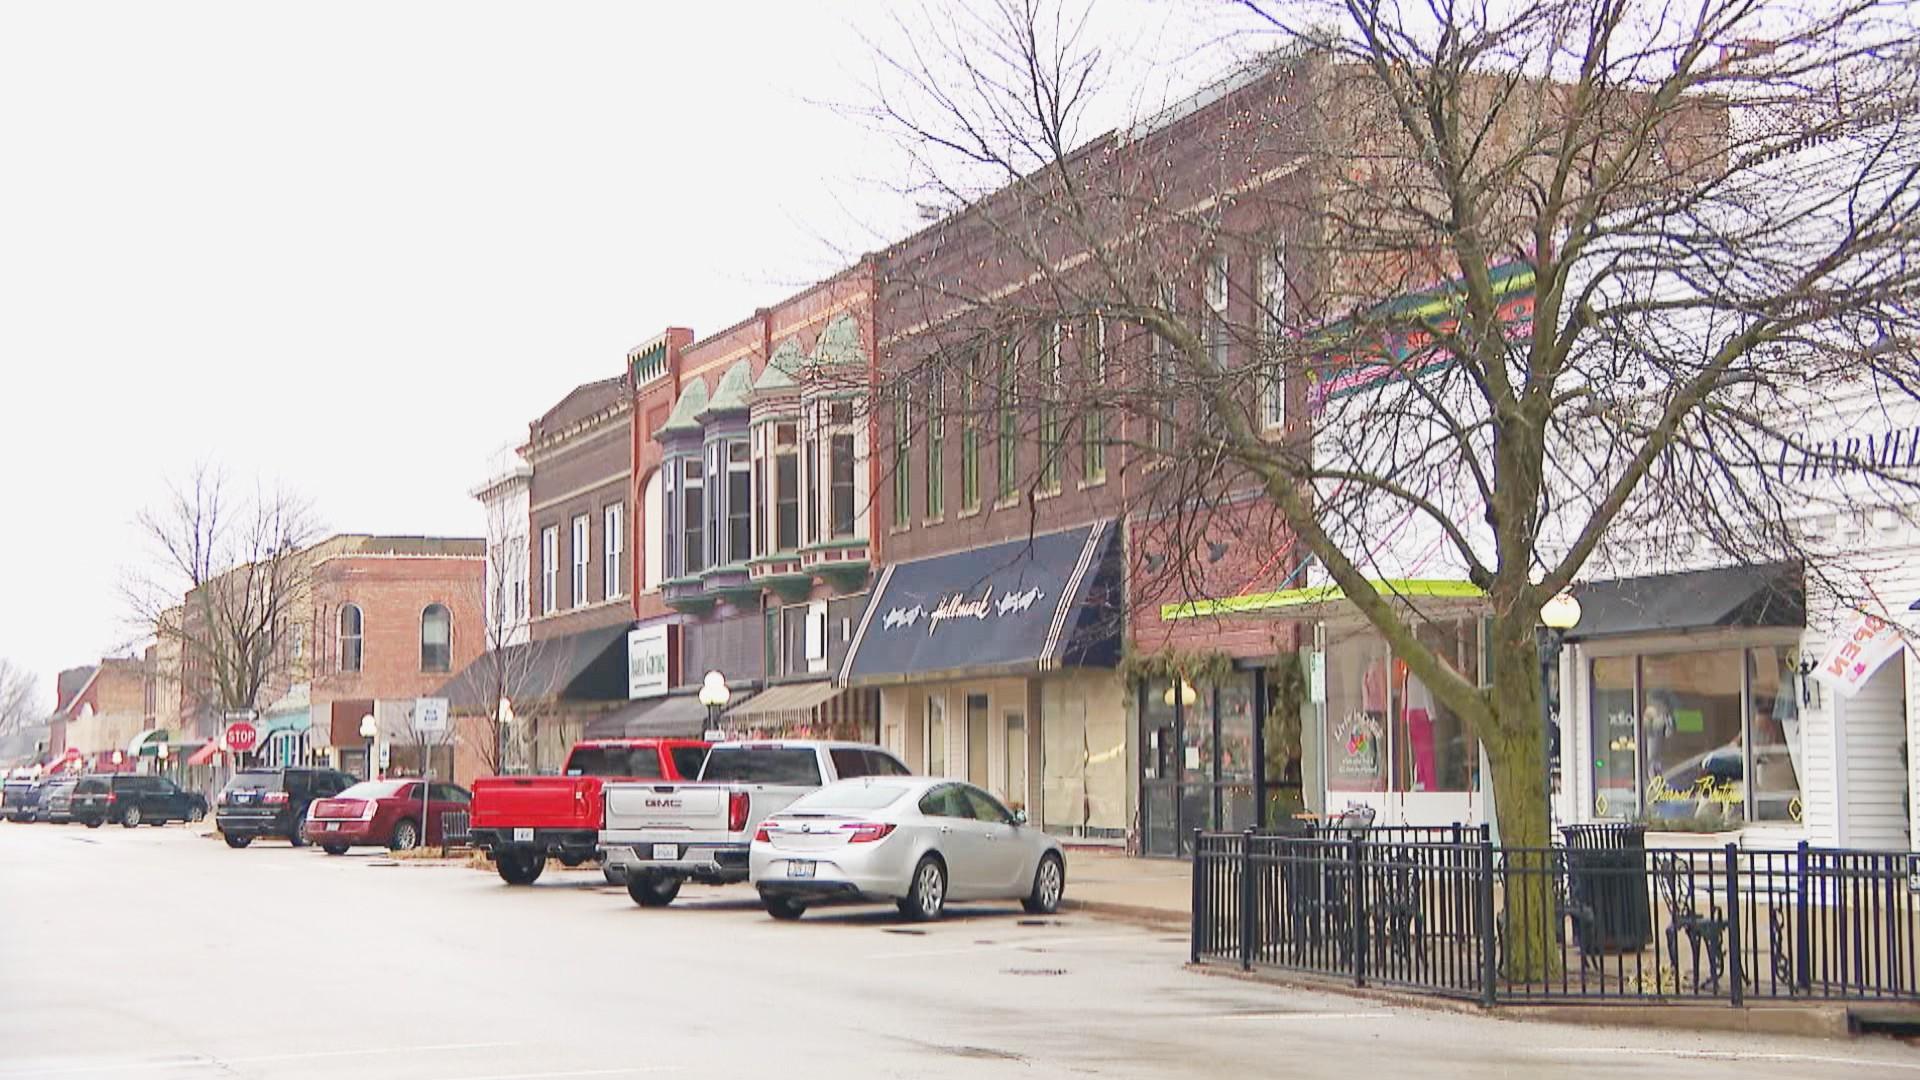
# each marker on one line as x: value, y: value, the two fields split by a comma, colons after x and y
x: 383, y: 813
x: 663, y: 835
x: 56, y: 801
x: 917, y: 842
x: 521, y: 821
x: 133, y: 801
x: 21, y: 799
x: 273, y: 802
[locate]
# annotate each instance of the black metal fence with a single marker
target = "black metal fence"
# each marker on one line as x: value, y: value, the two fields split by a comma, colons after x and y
x: 1605, y: 918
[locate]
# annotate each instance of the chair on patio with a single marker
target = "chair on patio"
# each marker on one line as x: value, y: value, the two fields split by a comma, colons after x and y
x: 1395, y: 910
x: 1572, y: 905
x: 1679, y: 892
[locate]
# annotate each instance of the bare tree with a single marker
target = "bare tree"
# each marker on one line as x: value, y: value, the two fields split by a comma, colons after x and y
x: 227, y: 576
x: 507, y: 692
x: 20, y: 702
x: 1485, y: 292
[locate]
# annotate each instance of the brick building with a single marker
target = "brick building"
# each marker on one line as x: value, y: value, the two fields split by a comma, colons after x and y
x: 100, y: 720
x: 392, y: 617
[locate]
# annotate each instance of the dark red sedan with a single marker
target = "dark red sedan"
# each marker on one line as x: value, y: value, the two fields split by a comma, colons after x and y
x: 383, y: 813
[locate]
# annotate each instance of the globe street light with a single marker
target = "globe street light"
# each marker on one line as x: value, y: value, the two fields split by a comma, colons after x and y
x: 369, y: 727
x: 714, y: 695
x: 1558, y: 615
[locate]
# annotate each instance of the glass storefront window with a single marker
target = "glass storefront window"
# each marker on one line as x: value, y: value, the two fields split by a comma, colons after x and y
x: 1775, y: 724
x: 1677, y: 736
x: 1434, y: 749
x: 1357, y: 714
x: 1616, y: 791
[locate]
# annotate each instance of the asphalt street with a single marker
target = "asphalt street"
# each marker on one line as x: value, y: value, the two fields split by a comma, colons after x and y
x: 160, y: 955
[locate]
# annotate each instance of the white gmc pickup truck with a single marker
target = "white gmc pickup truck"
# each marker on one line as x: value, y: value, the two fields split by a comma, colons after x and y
x: 661, y: 835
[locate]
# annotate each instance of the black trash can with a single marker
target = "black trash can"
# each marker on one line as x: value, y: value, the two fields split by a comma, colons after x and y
x: 1607, y: 884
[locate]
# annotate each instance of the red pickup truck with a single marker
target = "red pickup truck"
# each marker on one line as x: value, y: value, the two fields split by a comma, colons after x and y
x: 519, y: 821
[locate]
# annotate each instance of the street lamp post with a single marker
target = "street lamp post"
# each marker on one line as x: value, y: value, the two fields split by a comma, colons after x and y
x: 714, y: 695
x: 369, y: 727
x: 1558, y: 615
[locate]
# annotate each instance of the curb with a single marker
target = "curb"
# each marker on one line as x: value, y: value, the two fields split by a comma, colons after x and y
x: 1151, y: 917
x: 1833, y: 1021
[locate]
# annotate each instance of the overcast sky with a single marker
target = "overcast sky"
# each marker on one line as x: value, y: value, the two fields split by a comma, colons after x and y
x: 354, y: 247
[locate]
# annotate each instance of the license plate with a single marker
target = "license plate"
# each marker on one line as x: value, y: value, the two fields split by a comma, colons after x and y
x: 333, y: 826
x: 666, y: 851
x: 800, y: 869
x: 523, y: 836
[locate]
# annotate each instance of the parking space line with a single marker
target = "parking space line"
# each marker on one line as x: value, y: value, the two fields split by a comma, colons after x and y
x: 631, y: 1070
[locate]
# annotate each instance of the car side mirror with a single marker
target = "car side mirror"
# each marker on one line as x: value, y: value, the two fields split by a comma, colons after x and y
x: 1019, y: 817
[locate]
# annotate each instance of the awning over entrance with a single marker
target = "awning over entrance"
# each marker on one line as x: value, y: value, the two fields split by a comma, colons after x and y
x: 205, y: 753
x: 681, y: 717
x: 1306, y: 596
x: 148, y: 742
x: 1025, y: 605
x: 1754, y: 596
x: 809, y: 706
x: 588, y: 666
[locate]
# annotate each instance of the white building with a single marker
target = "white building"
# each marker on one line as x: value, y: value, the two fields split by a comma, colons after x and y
x: 507, y: 502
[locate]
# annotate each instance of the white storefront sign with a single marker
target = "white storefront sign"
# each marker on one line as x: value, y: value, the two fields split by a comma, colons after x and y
x: 430, y: 715
x: 1857, y: 652
x: 647, y: 674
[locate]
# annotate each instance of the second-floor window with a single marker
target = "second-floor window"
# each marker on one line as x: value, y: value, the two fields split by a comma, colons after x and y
x: 352, y: 630
x: 1273, y: 313
x: 1006, y: 444
x: 1052, y: 344
x: 902, y: 459
x: 969, y: 436
x: 936, y: 452
x: 616, y: 548
x: 436, y: 638
x: 549, y: 569
x: 739, y: 534
x: 693, y: 516
x: 786, y: 486
x: 1093, y: 432
x: 1217, y: 279
x: 582, y: 558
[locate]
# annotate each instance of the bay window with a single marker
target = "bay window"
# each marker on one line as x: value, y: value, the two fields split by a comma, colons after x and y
x: 786, y: 486
x: 692, y: 505
x: 731, y: 504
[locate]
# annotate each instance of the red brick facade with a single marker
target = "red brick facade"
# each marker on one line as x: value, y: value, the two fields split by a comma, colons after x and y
x: 392, y: 592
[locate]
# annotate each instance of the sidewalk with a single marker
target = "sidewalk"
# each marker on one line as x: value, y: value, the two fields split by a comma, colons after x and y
x: 1104, y: 881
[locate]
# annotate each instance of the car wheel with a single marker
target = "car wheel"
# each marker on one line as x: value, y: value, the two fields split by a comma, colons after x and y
x: 196, y: 813
x: 653, y: 890
x: 519, y: 867
x: 783, y: 908
x: 334, y: 849
x: 406, y: 836
x: 615, y: 875
x: 572, y: 862
x: 94, y: 823
x: 237, y: 841
x: 295, y: 838
x: 1049, y: 883
x: 927, y: 897
x: 130, y: 818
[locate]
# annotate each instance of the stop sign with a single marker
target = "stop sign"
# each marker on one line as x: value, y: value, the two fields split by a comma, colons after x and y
x: 242, y: 736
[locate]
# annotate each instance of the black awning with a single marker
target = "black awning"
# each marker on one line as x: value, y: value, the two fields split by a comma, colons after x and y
x: 681, y: 717
x: 1754, y: 596
x: 587, y: 666
x: 1033, y: 604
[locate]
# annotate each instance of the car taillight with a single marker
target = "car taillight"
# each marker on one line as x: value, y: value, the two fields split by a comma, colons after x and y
x: 111, y: 797
x: 866, y: 832
x: 368, y: 809
x: 736, y: 811
x: 275, y: 798
x: 761, y: 837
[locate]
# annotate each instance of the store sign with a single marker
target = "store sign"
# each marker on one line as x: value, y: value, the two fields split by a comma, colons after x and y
x: 647, y: 674
x: 1883, y: 451
x: 1858, y: 652
x: 430, y: 715
x: 957, y: 606
x: 242, y: 737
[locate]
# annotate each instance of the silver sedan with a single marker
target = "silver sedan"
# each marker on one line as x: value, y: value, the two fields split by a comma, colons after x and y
x: 918, y: 842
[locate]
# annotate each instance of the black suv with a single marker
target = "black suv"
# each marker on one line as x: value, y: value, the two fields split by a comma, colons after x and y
x: 273, y: 802
x: 133, y: 801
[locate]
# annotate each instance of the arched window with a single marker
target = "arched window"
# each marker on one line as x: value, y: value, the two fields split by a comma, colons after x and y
x: 436, y: 638
x: 350, y: 637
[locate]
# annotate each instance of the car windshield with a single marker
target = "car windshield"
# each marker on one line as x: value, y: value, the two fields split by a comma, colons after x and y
x: 373, y: 789
x: 638, y: 762
x: 762, y: 765
x: 852, y: 797
x: 261, y: 780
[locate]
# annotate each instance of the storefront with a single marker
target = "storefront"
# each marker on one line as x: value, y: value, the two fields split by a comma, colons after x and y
x: 996, y: 666
x: 1701, y: 703
x: 1342, y: 722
